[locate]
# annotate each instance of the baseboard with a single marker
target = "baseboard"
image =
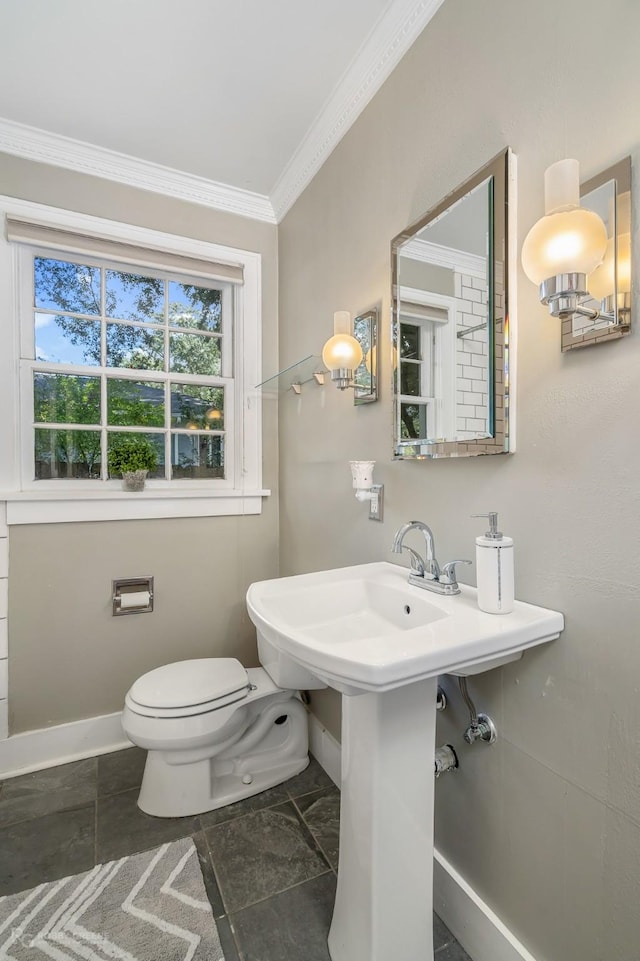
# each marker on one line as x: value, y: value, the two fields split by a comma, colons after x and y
x: 478, y: 929
x: 324, y: 748
x: 50, y: 746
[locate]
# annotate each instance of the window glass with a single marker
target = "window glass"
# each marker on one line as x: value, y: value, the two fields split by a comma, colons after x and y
x: 413, y: 421
x: 197, y: 456
x: 197, y: 307
x: 65, y: 454
x: 134, y: 297
x: 65, y: 399
x: 135, y: 403
x: 60, y: 285
x: 196, y: 407
x: 409, y: 341
x: 67, y: 340
x: 194, y: 354
x: 410, y: 379
x: 140, y: 348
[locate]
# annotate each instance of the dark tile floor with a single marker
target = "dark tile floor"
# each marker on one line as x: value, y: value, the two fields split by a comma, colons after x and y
x: 269, y: 863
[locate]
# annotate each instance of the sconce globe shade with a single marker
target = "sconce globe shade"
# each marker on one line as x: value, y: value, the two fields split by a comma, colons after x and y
x: 602, y: 282
x: 565, y: 242
x: 371, y: 359
x: 342, y: 352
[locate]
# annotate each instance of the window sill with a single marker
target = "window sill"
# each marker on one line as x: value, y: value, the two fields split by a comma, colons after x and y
x: 59, y: 507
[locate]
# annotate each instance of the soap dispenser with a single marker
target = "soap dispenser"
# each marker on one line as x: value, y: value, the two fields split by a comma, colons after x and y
x: 494, y: 569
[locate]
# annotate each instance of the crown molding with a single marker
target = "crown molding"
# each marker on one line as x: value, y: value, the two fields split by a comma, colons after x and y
x: 44, y: 147
x: 388, y: 42
x: 440, y: 256
x: 394, y: 33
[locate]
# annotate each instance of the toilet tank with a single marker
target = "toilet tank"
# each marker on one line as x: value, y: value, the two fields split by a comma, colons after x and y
x: 283, y: 671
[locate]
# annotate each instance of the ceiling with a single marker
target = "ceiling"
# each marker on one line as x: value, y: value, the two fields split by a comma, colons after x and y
x: 248, y: 95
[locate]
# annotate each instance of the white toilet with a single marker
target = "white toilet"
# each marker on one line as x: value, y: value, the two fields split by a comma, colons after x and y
x: 215, y: 731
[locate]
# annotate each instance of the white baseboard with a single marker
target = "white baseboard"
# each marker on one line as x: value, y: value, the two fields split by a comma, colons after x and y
x: 50, y: 746
x: 325, y: 749
x: 478, y: 929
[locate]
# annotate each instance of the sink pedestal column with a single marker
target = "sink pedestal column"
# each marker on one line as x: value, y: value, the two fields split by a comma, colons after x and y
x: 384, y: 900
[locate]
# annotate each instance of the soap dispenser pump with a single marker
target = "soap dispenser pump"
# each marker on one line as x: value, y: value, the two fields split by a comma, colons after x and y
x: 494, y: 568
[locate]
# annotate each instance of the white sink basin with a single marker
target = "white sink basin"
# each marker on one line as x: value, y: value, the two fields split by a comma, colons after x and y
x: 366, y: 631
x: 365, y: 628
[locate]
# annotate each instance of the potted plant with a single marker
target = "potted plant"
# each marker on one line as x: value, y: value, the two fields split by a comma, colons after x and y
x: 132, y: 455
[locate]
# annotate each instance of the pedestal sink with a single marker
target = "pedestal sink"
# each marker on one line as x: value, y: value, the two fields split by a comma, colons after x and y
x: 382, y: 643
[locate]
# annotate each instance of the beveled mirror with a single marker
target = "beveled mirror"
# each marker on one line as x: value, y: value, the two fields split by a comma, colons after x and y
x: 365, y: 378
x: 606, y: 314
x: 450, y: 301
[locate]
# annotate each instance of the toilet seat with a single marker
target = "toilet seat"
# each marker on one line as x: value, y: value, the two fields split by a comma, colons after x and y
x: 187, y: 688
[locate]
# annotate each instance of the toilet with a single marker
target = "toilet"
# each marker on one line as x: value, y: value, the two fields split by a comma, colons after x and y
x: 216, y: 732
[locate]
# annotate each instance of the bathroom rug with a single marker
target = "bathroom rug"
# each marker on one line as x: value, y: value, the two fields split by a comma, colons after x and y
x: 147, y: 907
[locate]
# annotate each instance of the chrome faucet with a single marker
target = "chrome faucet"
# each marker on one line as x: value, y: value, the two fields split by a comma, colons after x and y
x: 427, y: 573
x: 428, y: 568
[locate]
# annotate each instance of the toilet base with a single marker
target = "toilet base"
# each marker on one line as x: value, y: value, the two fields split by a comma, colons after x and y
x: 175, y: 787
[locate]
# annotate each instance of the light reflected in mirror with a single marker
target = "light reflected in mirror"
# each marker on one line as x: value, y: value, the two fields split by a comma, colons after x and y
x: 449, y: 323
x: 609, y: 195
x: 365, y: 378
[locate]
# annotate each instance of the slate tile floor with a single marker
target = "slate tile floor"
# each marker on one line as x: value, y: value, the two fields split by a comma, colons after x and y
x: 269, y: 862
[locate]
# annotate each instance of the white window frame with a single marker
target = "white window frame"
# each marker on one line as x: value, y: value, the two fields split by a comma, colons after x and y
x: 443, y: 354
x: 74, y: 500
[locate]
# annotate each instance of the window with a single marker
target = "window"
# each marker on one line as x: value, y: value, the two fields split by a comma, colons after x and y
x: 426, y: 374
x: 417, y: 399
x: 121, y: 358
x: 123, y: 345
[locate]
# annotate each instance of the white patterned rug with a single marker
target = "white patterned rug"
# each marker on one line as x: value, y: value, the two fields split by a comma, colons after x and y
x: 149, y: 907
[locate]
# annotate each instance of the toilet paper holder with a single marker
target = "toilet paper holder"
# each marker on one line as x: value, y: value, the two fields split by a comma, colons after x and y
x: 132, y: 595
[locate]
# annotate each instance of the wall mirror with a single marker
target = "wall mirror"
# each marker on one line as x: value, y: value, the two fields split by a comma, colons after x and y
x: 450, y: 301
x: 365, y: 378
x: 606, y: 315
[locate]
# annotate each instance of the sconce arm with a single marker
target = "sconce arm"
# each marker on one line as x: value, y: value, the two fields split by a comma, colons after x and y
x: 594, y: 314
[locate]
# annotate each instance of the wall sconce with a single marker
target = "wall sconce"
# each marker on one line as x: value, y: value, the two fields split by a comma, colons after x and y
x: 565, y: 245
x: 342, y: 353
x: 366, y: 490
x: 581, y: 255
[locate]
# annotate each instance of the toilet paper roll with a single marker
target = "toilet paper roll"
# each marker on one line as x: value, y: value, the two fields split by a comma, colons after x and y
x: 134, y: 599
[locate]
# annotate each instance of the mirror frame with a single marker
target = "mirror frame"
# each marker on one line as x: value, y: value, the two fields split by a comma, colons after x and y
x: 620, y: 175
x: 500, y: 172
x: 365, y: 331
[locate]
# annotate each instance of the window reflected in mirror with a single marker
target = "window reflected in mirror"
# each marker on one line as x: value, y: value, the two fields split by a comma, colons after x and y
x: 365, y: 378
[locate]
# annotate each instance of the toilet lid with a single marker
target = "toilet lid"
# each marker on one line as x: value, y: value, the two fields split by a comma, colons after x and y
x: 186, y: 684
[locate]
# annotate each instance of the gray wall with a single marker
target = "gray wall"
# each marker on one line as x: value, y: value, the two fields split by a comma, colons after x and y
x: 68, y: 657
x: 417, y: 274
x: 545, y: 824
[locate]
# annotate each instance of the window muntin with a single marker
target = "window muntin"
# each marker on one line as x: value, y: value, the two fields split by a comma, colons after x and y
x: 127, y: 350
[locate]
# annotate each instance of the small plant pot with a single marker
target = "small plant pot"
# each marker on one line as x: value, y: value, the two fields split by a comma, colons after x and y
x: 134, y: 480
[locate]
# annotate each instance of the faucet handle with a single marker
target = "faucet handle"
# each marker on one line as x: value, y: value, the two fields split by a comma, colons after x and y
x: 417, y: 564
x: 448, y: 575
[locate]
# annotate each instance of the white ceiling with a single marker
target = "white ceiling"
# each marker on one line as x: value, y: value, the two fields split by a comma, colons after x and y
x: 251, y: 94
